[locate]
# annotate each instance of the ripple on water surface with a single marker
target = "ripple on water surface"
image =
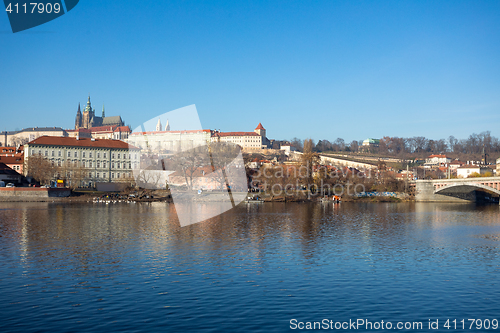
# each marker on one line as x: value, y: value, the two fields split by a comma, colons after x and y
x: 83, y: 267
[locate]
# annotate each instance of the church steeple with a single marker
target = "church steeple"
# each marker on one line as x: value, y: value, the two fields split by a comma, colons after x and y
x: 78, y: 119
x: 103, y: 115
x: 158, y: 125
x: 167, y: 126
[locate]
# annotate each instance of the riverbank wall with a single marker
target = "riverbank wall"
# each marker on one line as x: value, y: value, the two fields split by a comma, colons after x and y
x: 32, y: 193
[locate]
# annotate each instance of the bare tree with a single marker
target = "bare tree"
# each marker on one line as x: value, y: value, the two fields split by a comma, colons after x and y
x: 187, y: 162
x: 39, y: 168
x: 309, y: 160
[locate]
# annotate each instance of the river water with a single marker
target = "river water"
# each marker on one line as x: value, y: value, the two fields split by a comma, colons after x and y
x: 131, y: 267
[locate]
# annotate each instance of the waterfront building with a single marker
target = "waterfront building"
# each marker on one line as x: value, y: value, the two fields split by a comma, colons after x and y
x: 8, y: 175
x: 14, y: 162
x: 101, y: 160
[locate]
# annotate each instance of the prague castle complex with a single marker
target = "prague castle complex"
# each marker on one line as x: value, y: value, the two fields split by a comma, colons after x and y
x: 88, y: 119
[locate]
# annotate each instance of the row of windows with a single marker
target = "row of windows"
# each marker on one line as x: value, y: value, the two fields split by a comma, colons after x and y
x: 84, y: 154
x: 97, y: 164
x: 104, y: 175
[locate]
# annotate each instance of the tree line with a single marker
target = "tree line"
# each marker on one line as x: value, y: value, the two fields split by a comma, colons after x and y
x: 396, y: 146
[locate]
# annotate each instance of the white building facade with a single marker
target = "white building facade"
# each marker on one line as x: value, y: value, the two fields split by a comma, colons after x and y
x: 102, y: 160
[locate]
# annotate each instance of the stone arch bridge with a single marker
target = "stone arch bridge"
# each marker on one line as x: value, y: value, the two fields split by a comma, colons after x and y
x: 484, y: 189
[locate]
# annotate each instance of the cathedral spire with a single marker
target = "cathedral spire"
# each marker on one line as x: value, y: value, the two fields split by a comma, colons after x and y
x: 78, y: 118
x: 158, y: 126
x: 167, y: 126
x: 103, y: 115
x: 88, y: 108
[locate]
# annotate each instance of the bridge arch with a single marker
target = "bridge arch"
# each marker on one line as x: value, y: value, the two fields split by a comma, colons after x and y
x: 461, y: 188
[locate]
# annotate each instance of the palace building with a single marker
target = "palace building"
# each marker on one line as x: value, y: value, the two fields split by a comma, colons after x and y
x: 101, y: 160
x: 87, y: 119
x: 246, y: 140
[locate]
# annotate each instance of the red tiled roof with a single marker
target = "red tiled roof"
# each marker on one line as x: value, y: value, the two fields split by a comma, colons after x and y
x: 11, y: 159
x: 102, y: 129
x: 236, y: 134
x: 260, y: 127
x: 122, y: 129
x: 457, y: 162
x: 82, y: 142
x: 439, y: 156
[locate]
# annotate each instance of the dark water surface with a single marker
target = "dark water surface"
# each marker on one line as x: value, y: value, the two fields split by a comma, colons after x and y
x: 130, y: 267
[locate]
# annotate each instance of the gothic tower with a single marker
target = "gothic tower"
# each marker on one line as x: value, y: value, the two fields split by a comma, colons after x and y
x: 78, y: 120
x: 167, y: 126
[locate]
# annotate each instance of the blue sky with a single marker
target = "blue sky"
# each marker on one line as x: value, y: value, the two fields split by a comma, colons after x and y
x: 319, y: 69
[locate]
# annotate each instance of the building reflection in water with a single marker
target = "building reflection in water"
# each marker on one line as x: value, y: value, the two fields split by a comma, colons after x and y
x: 93, y: 240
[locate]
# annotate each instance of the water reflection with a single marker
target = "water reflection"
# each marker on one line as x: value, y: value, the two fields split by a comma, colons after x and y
x: 272, y: 262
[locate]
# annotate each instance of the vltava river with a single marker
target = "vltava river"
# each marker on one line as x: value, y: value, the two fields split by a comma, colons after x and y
x: 131, y: 267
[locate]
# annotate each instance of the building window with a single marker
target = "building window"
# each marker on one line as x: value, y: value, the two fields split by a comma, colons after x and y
x: 90, y: 154
x: 32, y: 152
x: 104, y: 175
x: 59, y: 163
x: 52, y: 153
x: 83, y: 154
x: 104, y: 155
x: 118, y: 155
x: 98, y: 164
x: 103, y: 164
x: 59, y: 153
x: 90, y: 174
x: 46, y: 153
x: 112, y: 175
x: 76, y: 154
x: 118, y: 175
x: 69, y: 154
x: 97, y: 175
x: 98, y: 155
x: 129, y: 165
x: 112, y: 165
